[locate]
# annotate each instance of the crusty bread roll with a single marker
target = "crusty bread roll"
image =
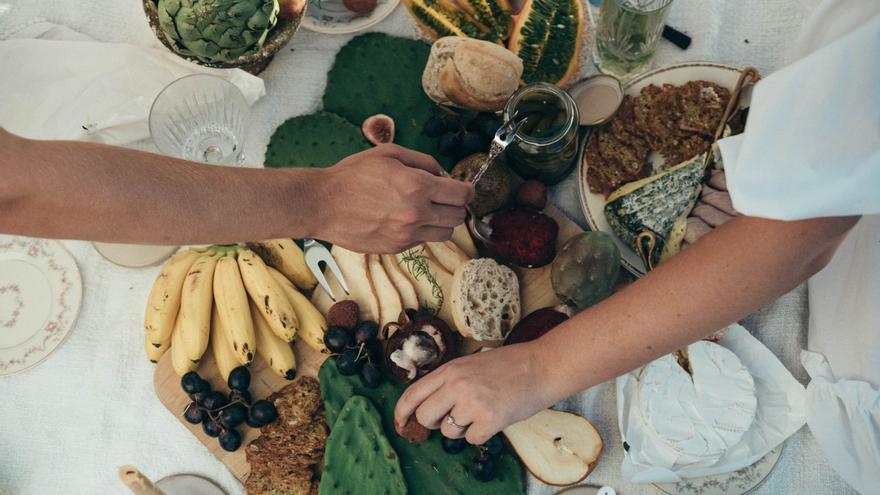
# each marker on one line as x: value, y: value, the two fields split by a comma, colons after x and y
x: 485, y: 299
x: 471, y: 73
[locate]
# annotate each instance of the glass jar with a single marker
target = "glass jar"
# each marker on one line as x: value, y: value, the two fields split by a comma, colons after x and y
x: 547, y: 144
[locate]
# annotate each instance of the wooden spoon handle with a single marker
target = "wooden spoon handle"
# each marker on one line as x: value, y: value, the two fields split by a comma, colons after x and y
x: 137, y: 482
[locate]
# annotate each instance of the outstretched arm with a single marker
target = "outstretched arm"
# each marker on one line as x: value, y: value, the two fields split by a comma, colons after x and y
x: 381, y: 200
x: 723, y: 277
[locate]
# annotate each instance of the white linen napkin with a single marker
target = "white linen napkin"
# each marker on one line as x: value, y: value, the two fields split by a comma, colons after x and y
x: 65, y: 86
x: 781, y: 412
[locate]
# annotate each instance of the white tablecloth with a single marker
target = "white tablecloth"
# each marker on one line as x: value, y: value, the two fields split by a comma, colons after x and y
x: 66, y: 425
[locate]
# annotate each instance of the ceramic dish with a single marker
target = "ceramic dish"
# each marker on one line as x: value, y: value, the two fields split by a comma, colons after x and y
x: 331, y: 16
x: 739, y: 482
x: 594, y: 204
x: 40, y: 296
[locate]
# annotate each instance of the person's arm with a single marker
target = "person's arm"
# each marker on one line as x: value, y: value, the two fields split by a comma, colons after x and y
x: 736, y: 269
x: 381, y: 200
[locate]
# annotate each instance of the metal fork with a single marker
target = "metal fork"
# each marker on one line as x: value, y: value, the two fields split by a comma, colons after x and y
x: 504, y: 137
x: 316, y: 253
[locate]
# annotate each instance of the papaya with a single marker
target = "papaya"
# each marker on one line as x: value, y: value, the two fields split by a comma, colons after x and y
x: 548, y: 37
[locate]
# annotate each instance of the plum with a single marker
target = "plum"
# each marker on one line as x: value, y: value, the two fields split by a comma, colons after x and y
x: 536, y: 324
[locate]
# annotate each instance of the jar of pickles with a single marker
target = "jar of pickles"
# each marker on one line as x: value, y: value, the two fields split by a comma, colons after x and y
x: 547, y: 143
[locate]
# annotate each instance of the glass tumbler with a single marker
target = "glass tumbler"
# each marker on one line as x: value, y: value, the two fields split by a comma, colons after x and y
x: 627, y: 34
x: 200, y: 118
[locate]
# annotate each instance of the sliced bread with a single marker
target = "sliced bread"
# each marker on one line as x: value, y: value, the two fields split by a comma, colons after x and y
x: 485, y: 299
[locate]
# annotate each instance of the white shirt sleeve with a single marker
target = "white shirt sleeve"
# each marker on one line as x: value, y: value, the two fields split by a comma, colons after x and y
x: 811, y: 147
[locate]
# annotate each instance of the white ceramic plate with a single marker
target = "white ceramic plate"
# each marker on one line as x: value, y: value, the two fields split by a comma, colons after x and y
x: 331, y: 16
x: 594, y: 204
x: 738, y: 482
x: 40, y: 296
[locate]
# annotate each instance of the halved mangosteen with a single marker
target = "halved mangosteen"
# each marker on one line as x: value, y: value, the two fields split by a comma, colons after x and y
x: 421, y: 343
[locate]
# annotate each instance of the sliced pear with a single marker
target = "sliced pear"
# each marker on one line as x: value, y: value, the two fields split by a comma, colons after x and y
x: 403, y: 283
x: 424, y: 288
x: 461, y: 236
x: 390, y: 302
x: 357, y: 275
x: 558, y: 448
x: 448, y: 255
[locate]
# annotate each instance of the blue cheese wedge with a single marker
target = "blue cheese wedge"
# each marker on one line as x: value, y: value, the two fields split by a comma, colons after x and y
x: 659, y: 204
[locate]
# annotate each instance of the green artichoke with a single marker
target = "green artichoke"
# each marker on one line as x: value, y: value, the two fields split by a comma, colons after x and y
x: 217, y: 30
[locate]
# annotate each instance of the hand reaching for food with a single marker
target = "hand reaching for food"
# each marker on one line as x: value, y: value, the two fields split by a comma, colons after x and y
x: 482, y: 393
x: 714, y: 208
x: 387, y: 199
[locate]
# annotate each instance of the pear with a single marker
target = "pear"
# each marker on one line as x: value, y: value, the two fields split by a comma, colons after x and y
x: 404, y: 285
x: 357, y: 275
x: 558, y: 448
x: 461, y: 237
x: 390, y: 302
x: 448, y: 255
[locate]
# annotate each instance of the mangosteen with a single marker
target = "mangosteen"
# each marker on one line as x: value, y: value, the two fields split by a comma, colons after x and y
x: 378, y: 129
x: 420, y: 345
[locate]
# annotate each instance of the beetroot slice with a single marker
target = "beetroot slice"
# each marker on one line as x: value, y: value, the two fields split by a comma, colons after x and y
x: 535, y: 325
x: 524, y: 237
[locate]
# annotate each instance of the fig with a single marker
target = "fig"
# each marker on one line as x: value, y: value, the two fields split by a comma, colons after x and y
x: 379, y: 128
x: 532, y: 194
x: 343, y: 314
x: 422, y: 343
x: 535, y: 325
x: 586, y: 269
x: 524, y: 237
x: 495, y: 187
x: 413, y: 431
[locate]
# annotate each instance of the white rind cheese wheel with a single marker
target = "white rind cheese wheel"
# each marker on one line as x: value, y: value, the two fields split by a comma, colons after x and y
x: 700, y: 416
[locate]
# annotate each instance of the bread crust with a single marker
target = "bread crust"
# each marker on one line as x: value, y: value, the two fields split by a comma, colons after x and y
x: 462, y: 284
x: 471, y: 73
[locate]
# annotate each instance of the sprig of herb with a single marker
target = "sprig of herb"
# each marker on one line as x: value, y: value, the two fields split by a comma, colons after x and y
x: 417, y: 265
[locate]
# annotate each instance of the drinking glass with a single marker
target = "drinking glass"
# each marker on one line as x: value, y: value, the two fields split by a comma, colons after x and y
x: 627, y: 34
x: 200, y: 118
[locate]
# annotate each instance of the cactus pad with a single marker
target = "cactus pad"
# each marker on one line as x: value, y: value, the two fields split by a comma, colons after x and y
x: 358, y: 458
x: 315, y: 140
x: 427, y: 468
x: 376, y: 73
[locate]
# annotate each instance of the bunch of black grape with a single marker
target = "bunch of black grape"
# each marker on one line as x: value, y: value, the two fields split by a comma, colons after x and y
x: 485, y: 464
x: 220, y: 414
x: 358, y: 352
x: 462, y: 134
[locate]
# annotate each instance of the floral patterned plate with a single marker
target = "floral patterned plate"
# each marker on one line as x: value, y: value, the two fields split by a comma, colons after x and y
x: 331, y: 16
x: 736, y: 483
x: 40, y: 296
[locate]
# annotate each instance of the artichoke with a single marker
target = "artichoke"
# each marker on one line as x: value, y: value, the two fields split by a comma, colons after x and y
x: 217, y: 31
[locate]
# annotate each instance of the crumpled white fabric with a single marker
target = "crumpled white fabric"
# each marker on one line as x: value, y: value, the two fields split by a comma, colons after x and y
x: 781, y: 412
x: 844, y: 416
x: 58, y: 84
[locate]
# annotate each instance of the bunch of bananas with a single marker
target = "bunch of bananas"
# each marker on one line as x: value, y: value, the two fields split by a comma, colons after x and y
x: 242, y: 303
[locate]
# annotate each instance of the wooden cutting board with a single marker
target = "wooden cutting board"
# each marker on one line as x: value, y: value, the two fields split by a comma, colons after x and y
x: 536, y: 293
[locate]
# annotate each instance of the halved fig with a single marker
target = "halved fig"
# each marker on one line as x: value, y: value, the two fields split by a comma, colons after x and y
x: 378, y: 129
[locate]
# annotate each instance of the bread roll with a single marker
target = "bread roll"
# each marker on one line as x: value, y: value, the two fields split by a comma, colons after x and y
x: 485, y: 299
x: 471, y: 74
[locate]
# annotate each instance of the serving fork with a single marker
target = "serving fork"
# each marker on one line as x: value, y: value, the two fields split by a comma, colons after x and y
x: 316, y: 253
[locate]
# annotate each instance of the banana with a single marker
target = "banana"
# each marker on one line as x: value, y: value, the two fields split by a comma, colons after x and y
x: 312, y: 323
x: 195, y: 307
x: 224, y: 354
x: 154, y: 353
x: 276, y: 352
x: 285, y: 256
x: 164, y: 301
x: 267, y: 296
x: 231, y: 301
x: 182, y: 364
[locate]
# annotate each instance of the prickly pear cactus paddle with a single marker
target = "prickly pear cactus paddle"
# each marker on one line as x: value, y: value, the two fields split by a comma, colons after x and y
x: 358, y: 457
x: 376, y: 73
x: 427, y: 468
x: 315, y: 140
